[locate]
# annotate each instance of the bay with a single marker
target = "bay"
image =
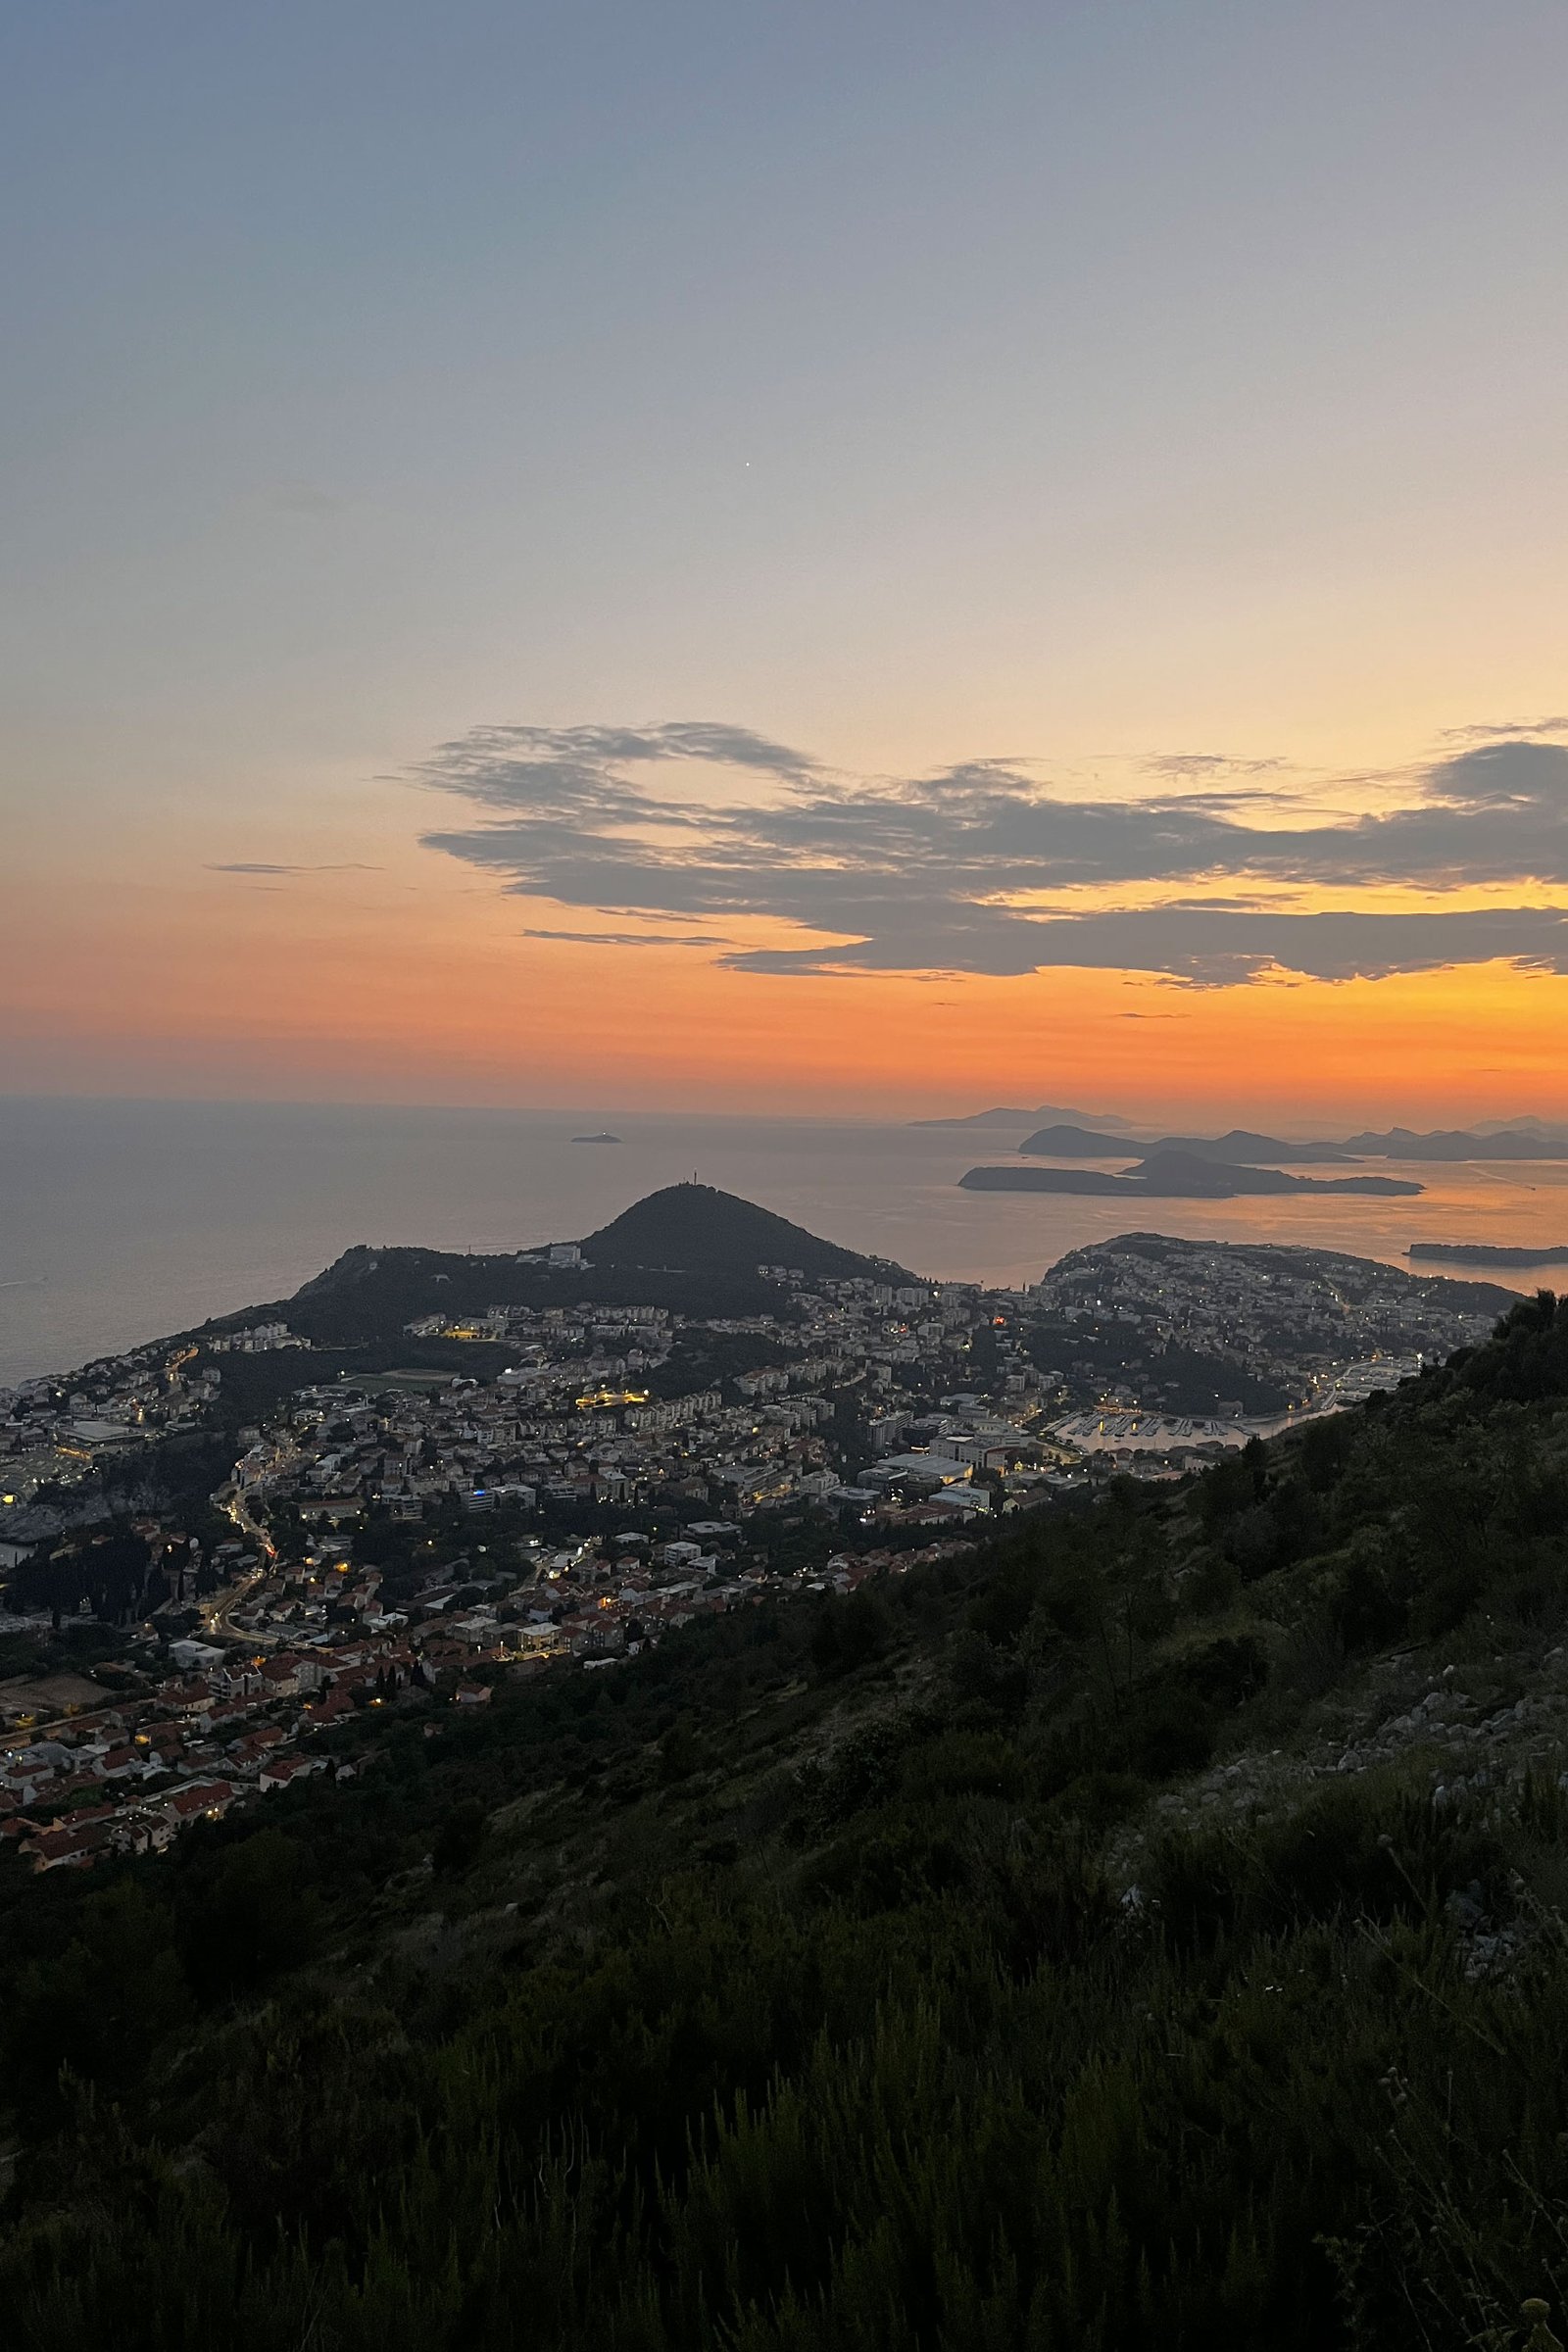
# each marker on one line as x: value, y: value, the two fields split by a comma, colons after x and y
x: 122, y: 1220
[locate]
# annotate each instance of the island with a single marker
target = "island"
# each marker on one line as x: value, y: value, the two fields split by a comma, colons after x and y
x: 1177, y: 1176
x: 1485, y: 1254
x: 604, y: 1137
x: 1237, y: 1147
x: 1064, y: 1141
x: 1009, y: 1116
x: 1535, y: 1142
x: 1086, y: 1135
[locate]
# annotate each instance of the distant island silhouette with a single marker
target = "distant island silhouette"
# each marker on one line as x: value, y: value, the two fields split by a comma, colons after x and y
x: 1008, y: 1116
x: 604, y: 1137
x: 1090, y: 1135
x: 1178, y: 1176
x: 1524, y: 1142
x: 1238, y: 1147
x: 1485, y: 1254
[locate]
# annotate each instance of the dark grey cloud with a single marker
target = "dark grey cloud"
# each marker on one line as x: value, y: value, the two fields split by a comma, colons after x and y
x: 540, y: 768
x: 1520, y: 775
x: 1225, y: 950
x: 910, y: 872
x: 257, y: 865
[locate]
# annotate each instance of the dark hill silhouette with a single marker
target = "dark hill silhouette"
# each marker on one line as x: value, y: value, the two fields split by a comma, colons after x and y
x: 700, y: 1230
x: 1009, y: 1116
x: 1487, y: 1253
x: 1176, y: 1176
x: 1460, y: 1143
x: 1177, y: 1173
x: 1078, y: 1143
x: 689, y: 1247
x: 1241, y: 1148
x: 1000, y: 1114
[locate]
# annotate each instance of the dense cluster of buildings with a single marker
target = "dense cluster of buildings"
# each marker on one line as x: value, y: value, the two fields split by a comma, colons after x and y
x: 1311, y: 1330
x: 856, y: 1404
x: 588, y: 1412
x: 1296, y: 1315
x: 290, y: 1651
x: 53, y: 1431
x: 126, y: 1773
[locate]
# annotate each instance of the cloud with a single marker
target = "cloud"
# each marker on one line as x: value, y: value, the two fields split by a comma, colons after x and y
x: 1184, y: 768
x: 935, y: 873
x: 1522, y: 775
x: 1189, y: 944
x: 635, y: 939
x: 564, y: 768
x: 1497, y: 730
x: 255, y: 866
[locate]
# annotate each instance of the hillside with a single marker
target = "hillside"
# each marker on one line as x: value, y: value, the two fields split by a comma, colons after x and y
x: 1064, y: 1141
x: 1142, y: 1929
x: 695, y: 1228
x: 688, y: 1248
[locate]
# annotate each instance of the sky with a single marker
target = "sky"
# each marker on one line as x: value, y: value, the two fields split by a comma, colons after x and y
x: 804, y: 558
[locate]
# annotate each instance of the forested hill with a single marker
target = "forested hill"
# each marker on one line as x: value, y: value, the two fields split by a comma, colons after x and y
x: 1142, y: 1930
x: 695, y: 1227
x: 689, y: 1247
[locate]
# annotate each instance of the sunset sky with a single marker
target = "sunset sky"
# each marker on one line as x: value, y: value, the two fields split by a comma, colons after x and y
x: 859, y: 558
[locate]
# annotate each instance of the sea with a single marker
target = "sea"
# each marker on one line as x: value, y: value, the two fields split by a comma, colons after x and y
x: 120, y: 1221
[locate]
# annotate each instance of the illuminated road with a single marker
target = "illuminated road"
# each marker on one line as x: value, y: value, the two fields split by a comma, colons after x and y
x: 218, y: 1622
x: 217, y: 1613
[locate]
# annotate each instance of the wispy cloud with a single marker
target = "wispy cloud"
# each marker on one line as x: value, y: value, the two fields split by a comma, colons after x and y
x: 936, y: 873
x: 1500, y: 730
x: 635, y: 939
x: 1202, y: 768
x: 258, y: 866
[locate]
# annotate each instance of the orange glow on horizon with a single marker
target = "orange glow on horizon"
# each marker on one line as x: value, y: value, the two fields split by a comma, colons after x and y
x: 439, y: 997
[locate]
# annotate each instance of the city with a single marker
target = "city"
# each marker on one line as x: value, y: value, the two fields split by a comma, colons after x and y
x: 409, y: 1537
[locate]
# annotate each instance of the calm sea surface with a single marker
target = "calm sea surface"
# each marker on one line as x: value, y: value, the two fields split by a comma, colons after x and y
x: 120, y: 1221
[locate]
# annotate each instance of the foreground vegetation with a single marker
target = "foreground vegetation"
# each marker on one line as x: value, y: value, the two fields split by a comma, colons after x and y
x: 993, y: 1959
